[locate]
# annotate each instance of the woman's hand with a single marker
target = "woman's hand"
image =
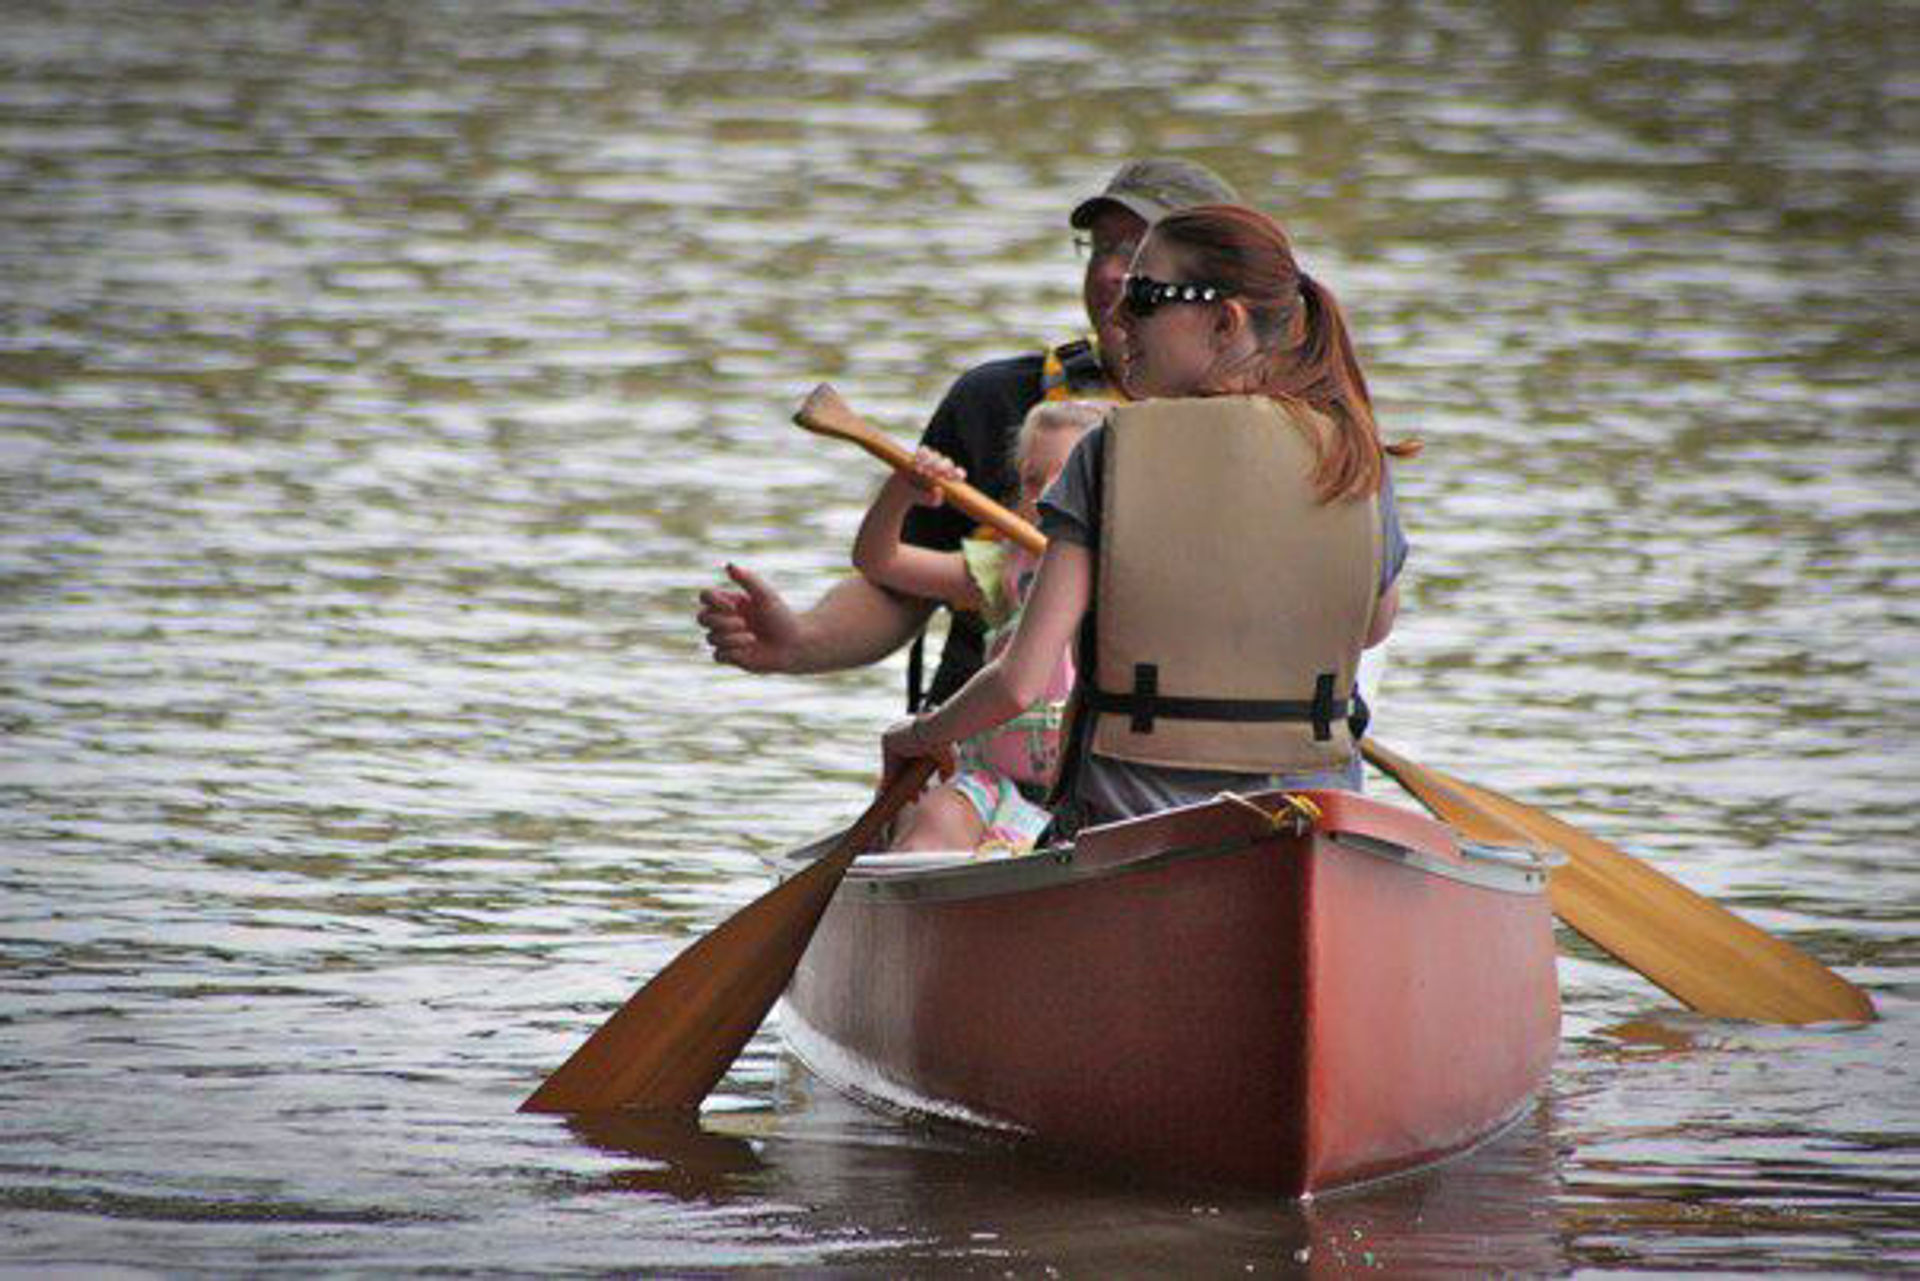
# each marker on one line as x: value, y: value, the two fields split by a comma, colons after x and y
x: 931, y: 470
x: 906, y: 740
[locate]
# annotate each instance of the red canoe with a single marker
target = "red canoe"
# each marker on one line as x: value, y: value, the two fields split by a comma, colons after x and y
x: 1295, y: 1004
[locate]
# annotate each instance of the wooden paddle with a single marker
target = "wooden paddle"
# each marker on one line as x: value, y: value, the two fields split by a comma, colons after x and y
x: 1700, y: 953
x: 676, y: 1037
x: 825, y: 414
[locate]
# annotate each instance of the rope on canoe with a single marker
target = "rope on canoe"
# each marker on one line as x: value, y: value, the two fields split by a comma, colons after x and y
x: 1295, y: 815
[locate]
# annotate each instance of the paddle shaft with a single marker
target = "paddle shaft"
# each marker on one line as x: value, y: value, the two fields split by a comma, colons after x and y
x: 825, y: 413
x: 1697, y: 951
x: 676, y: 1037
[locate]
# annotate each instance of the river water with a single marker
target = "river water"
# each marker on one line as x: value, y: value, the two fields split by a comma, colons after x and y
x: 380, y: 381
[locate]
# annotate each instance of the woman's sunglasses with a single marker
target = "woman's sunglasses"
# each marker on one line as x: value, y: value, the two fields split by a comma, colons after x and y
x: 1144, y: 295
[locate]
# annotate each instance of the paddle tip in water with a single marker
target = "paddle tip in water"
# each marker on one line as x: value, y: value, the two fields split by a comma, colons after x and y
x: 676, y: 1037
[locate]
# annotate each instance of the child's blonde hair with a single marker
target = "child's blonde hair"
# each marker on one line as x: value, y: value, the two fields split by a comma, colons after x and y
x: 1055, y: 415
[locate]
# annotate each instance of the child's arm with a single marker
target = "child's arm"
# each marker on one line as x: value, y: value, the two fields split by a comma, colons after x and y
x: 880, y: 555
x: 1014, y: 681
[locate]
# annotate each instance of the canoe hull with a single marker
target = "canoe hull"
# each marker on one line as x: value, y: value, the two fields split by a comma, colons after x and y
x: 1197, y: 995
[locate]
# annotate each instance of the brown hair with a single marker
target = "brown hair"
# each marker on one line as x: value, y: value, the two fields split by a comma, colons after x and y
x: 1305, y: 354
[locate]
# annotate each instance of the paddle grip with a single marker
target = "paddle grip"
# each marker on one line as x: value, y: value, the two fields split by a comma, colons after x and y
x: 825, y: 413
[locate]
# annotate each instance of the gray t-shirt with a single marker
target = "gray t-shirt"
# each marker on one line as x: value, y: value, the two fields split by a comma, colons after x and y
x: 1106, y: 789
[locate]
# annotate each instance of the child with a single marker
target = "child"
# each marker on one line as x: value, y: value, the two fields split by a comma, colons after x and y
x: 992, y: 800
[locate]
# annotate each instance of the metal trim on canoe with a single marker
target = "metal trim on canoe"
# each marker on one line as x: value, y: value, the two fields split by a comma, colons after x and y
x: 1492, y: 867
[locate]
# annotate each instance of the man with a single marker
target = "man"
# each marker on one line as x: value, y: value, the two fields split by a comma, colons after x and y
x: 857, y: 623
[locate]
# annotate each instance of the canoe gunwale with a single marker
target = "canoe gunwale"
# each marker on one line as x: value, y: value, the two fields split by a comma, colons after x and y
x: 923, y: 878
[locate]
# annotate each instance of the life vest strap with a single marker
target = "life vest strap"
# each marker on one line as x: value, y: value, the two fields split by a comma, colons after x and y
x: 1081, y: 364
x: 916, y: 669
x: 1145, y: 703
x: 1073, y: 370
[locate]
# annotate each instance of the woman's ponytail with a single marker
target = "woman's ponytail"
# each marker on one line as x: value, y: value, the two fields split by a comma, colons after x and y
x: 1307, y: 355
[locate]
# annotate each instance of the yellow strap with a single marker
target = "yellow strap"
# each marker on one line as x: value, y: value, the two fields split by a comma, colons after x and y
x: 1295, y: 816
x: 1053, y: 381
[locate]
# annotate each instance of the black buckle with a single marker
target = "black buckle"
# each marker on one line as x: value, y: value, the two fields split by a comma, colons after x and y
x: 1146, y: 693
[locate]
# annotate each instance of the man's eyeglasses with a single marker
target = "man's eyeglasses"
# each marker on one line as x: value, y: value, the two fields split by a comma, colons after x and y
x: 1089, y: 247
x: 1144, y: 295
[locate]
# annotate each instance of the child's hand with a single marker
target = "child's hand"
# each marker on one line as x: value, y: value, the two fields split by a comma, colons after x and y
x: 903, y: 741
x: 931, y: 470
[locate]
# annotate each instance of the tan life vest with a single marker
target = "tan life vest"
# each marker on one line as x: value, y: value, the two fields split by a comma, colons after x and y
x: 1232, y: 605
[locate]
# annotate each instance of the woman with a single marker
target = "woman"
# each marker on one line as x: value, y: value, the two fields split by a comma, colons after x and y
x: 1222, y: 549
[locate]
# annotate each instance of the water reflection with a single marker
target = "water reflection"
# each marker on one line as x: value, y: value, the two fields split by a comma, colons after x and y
x: 1658, y: 1035
x: 1494, y: 1211
x: 961, y: 1199
x: 680, y: 1156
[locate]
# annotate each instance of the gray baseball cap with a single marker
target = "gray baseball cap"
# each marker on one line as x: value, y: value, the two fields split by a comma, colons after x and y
x: 1157, y: 187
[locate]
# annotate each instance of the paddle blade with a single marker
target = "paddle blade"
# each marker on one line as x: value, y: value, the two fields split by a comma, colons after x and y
x: 1697, y: 951
x: 675, y: 1038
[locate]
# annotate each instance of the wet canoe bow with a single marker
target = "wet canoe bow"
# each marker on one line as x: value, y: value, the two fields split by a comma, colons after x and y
x: 1234, y: 992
